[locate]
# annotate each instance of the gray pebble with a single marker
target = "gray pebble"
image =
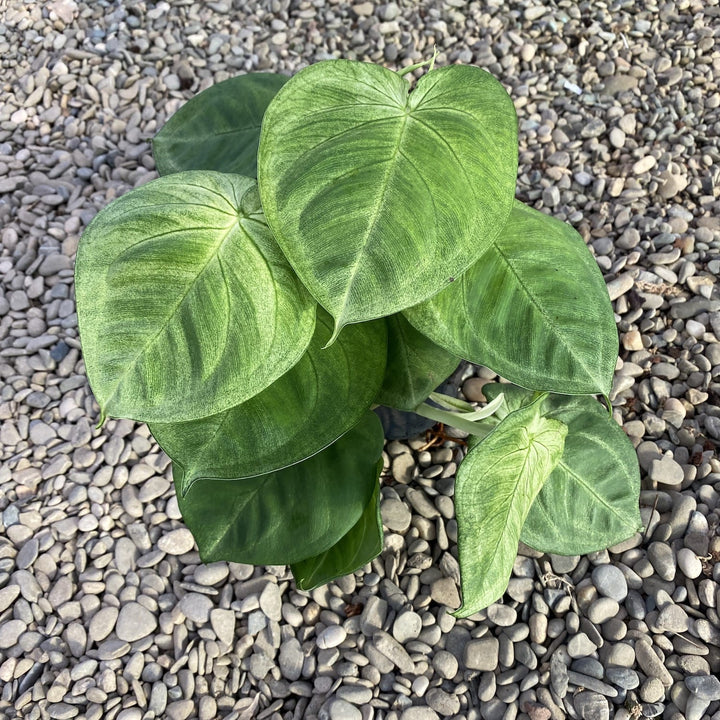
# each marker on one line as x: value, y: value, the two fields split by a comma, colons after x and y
x: 134, y: 622
x: 407, y: 626
x: 610, y: 582
x: 482, y: 654
x: 196, y: 607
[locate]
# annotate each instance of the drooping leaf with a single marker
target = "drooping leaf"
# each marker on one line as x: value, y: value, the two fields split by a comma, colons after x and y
x: 534, y: 308
x: 186, y: 304
x: 219, y: 128
x: 291, y: 514
x: 380, y: 196
x: 591, y: 499
x: 305, y: 410
x: 496, y: 485
x: 356, y: 548
x: 415, y: 366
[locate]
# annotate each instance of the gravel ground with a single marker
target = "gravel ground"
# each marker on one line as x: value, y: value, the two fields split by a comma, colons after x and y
x: 105, y: 610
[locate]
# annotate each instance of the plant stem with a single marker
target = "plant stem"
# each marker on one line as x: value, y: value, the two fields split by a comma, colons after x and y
x: 456, y: 420
x: 410, y: 68
x: 451, y: 403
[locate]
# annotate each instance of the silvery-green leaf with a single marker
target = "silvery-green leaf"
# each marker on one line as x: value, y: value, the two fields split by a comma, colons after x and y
x: 496, y: 485
x: 380, y: 196
x: 186, y: 305
x: 219, y: 128
x: 291, y: 514
x: 533, y: 307
x: 415, y: 366
x: 591, y: 499
x: 305, y: 410
x: 356, y: 548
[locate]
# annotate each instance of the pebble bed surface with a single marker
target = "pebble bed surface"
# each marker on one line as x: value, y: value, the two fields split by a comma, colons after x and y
x: 105, y: 608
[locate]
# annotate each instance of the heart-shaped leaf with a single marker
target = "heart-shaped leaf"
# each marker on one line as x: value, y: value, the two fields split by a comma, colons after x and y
x: 534, y: 308
x: 415, y: 366
x: 186, y: 304
x: 219, y: 128
x: 289, y: 515
x: 591, y: 499
x: 356, y: 548
x: 496, y: 485
x: 380, y: 196
x: 309, y: 407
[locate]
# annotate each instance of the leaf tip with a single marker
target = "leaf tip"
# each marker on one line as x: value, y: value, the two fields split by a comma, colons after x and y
x: 336, y: 331
x: 101, y: 421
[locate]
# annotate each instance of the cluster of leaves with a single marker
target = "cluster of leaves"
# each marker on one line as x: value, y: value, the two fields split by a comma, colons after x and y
x: 254, y: 323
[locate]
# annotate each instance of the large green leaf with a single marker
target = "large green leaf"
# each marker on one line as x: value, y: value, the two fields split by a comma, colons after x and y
x: 185, y: 302
x: 291, y: 514
x: 534, y: 308
x: 496, y: 485
x: 591, y: 499
x: 415, y: 366
x: 219, y: 128
x: 302, y: 412
x: 357, y: 547
x: 380, y: 196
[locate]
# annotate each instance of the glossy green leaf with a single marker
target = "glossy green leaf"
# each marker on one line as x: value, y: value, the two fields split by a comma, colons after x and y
x: 219, y: 128
x: 309, y: 407
x: 496, y: 485
x: 415, y: 366
x: 380, y: 196
x: 356, y: 548
x: 186, y: 304
x: 534, y: 308
x: 591, y: 499
x: 291, y: 514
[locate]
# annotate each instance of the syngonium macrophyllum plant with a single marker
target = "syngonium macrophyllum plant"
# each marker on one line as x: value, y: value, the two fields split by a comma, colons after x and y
x: 255, y: 323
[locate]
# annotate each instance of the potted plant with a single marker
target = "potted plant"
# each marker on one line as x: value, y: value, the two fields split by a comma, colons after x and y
x: 321, y: 245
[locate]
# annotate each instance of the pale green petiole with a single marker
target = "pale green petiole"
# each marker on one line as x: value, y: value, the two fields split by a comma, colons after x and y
x: 430, y: 63
x: 460, y: 414
x: 469, y: 412
x: 456, y: 420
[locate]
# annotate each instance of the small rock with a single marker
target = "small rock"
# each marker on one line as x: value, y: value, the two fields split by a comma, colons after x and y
x: 444, y: 591
x: 407, y: 626
x: 482, y: 654
x: 445, y: 664
x: 331, y: 637
x: 591, y: 706
x: 706, y: 687
x: 396, y: 516
x: 134, y: 622
x: 176, y: 542
x: 291, y: 659
x: 340, y: 709
x: 223, y: 624
x: 644, y: 165
x: 666, y: 471
x: 196, y: 607
x: 661, y: 557
x: 610, y: 582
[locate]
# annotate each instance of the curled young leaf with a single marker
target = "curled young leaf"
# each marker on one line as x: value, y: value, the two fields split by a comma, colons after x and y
x: 186, y: 305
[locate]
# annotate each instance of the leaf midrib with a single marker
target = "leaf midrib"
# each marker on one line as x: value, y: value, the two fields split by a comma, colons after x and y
x: 131, y: 365
x: 530, y: 296
x: 380, y: 203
